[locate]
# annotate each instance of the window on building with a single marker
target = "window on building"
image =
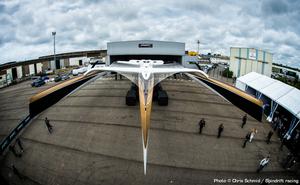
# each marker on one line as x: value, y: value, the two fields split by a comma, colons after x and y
x: 290, y: 73
x: 276, y: 70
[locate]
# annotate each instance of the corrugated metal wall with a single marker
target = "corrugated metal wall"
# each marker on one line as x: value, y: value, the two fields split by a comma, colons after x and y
x: 246, y: 60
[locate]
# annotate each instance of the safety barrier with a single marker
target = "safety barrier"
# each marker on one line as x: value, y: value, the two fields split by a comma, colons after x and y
x: 6, y: 142
x: 42, y: 101
x: 251, y: 108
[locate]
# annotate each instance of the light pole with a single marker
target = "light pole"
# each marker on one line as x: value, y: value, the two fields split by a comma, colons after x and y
x: 198, y: 42
x: 53, y: 34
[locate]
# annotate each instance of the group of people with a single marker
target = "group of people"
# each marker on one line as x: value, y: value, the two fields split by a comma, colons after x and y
x: 278, y: 124
x: 248, y: 138
x: 18, y: 152
x: 202, y: 125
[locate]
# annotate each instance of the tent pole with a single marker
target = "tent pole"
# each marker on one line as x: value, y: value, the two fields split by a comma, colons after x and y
x: 273, y: 109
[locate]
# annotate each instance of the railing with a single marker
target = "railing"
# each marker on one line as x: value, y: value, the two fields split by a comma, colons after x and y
x: 5, y: 143
x: 42, y: 103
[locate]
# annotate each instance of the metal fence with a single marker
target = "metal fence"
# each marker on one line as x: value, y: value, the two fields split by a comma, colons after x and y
x: 5, y: 143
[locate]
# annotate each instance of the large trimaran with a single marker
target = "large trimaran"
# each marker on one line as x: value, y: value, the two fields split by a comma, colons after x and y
x: 146, y: 74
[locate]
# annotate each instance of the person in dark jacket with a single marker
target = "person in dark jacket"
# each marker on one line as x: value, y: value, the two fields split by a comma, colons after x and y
x: 244, y: 120
x: 49, y: 126
x: 247, y: 138
x: 220, y: 130
x: 201, y: 125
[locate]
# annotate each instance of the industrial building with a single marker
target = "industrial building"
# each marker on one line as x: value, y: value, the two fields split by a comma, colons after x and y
x: 123, y: 50
x: 220, y: 60
x: 145, y: 49
x: 286, y: 70
x: 246, y: 60
x: 18, y: 71
x: 167, y: 51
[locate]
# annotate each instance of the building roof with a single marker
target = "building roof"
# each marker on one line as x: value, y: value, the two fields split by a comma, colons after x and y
x: 285, y: 66
x: 74, y: 54
x: 145, y: 47
x: 90, y: 53
x: 283, y: 94
x: 19, y: 63
x: 141, y: 41
x: 259, y: 49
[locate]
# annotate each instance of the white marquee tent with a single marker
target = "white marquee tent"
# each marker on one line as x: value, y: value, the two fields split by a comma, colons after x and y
x: 280, y: 94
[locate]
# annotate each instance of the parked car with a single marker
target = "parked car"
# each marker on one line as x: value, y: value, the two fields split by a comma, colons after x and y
x: 81, y: 70
x: 45, y: 78
x: 65, y: 77
x: 51, y: 80
x: 57, y: 79
x: 49, y: 72
x: 38, y: 82
x: 35, y: 77
x: 75, y: 72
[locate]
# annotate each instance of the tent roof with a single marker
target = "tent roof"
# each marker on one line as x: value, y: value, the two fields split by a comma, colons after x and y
x: 285, y: 95
x: 261, y: 82
x: 291, y: 101
x: 281, y: 90
x: 249, y: 77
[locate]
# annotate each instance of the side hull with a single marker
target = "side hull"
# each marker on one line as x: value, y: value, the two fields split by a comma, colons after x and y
x: 49, y: 97
x: 241, y: 102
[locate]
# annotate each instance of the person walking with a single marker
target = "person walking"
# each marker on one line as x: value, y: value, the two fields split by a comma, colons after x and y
x: 201, y: 125
x: 263, y: 163
x: 253, y: 132
x: 244, y: 120
x: 18, y: 141
x: 269, y: 137
x: 247, y: 138
x: 220, y: 130
x: 277, y: 123
x: 233, y: 79
x: 49, y: 126
x: 274, y: 122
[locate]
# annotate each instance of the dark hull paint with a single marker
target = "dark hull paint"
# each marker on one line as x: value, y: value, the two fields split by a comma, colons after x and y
x: 45, y: 102
x: 247, y: 106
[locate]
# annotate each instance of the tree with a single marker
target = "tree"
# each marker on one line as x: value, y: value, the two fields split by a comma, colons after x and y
x: 227, y: 73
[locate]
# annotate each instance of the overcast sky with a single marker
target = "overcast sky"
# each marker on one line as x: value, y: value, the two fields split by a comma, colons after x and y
x: 26, y: 25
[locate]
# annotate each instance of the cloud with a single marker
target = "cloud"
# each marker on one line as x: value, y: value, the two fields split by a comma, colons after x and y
x: 272, y: 25
x: 271, y: 8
